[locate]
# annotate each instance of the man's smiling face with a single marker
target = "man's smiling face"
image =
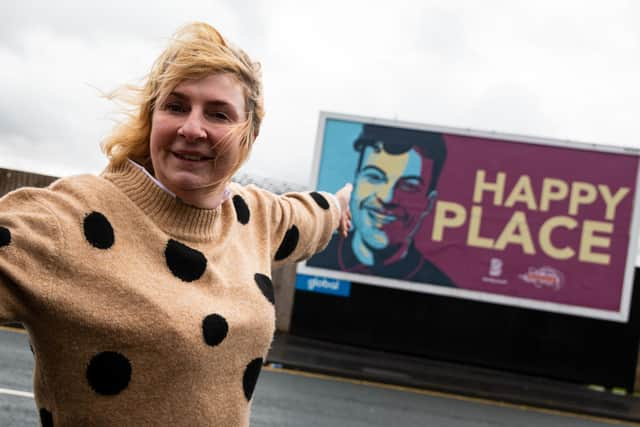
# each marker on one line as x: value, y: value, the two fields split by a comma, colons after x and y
x: 390, y: 194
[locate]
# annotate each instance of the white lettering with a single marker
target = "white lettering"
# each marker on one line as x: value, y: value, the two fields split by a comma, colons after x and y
x: 316, y: 282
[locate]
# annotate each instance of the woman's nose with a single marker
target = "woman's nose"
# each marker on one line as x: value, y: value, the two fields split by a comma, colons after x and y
x: 192, y: 128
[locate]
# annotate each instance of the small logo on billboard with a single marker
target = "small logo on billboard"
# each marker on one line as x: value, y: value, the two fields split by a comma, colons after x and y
x: 495, y: 271
x: 543, y: 277
x: 495, y: 267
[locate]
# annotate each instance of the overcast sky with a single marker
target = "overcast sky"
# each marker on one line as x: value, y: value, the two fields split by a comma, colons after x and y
x: 560, y: 69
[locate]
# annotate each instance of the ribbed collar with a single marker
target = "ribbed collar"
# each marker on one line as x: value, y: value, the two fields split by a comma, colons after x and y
x: 172, y: 215
x: 151, y: 177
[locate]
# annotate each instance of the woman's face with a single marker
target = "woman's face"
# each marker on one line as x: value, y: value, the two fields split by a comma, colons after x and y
x: 189, y: 153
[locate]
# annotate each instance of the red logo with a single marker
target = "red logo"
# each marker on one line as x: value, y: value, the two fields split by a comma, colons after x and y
x: 543, y: 277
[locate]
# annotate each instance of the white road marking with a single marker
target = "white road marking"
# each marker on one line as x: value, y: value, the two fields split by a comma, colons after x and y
x: 16, y: 392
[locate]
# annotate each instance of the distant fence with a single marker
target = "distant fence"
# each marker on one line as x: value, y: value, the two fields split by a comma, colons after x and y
x: 13, y: 179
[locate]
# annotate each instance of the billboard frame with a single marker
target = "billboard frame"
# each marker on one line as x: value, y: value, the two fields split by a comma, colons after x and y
x: 622, y: 315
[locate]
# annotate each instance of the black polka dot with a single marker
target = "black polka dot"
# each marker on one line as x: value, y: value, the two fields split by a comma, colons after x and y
x: 184, y: 262
x: 250, y: 377
x: 288, y: 244
x: 5, y: 236
x: 46, y: 419
x: 214, y: 329
x: 242, y: 210
x: 109, y: 373
x: 98, y: 231
x: 320, y: 200
x: 266, y: 286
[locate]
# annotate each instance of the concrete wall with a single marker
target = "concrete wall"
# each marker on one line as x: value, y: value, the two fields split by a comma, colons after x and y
x: 284, y: 288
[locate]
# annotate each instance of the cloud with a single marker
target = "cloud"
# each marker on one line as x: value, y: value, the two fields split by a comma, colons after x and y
x: 558, y: 69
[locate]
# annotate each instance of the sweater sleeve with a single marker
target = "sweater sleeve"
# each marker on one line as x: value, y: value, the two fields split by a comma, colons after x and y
x: 293, y: 226
x: 29, y: 235
x: 303, y: 224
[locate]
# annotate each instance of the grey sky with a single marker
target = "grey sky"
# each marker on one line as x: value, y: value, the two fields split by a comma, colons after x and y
x: 561, y: 69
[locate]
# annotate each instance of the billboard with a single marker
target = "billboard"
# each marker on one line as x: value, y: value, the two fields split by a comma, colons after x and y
x: 529, y: 222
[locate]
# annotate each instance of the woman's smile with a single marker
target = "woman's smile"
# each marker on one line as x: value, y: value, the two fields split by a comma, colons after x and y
x: 191, y: 157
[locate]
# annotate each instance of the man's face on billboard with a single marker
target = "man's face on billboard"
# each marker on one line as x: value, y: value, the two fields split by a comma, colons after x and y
x: 389, y: 196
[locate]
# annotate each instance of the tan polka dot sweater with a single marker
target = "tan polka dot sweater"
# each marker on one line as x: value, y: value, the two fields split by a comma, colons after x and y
x: 142, y: 310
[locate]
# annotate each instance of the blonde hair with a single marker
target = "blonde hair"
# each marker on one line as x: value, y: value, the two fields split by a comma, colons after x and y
x: 194, y: 52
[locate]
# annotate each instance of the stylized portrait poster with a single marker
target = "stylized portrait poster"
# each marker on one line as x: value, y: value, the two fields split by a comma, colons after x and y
x: 513, y: 220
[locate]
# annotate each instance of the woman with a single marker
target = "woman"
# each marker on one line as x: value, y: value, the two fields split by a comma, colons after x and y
x: 146, y: 290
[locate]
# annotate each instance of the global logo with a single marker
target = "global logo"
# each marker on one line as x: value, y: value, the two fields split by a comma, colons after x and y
x: 323, y: 285
x: 543, y: 277
x: 317, y: 282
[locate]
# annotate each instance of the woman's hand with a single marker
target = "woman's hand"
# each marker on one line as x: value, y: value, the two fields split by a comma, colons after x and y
x: 344, y: 195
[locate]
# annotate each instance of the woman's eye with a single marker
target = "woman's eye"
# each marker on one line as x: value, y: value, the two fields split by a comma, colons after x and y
x: 174, y: 107
x: 219, y: 115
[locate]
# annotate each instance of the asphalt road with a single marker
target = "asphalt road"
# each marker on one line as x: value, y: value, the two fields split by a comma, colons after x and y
x: 286, y: 398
